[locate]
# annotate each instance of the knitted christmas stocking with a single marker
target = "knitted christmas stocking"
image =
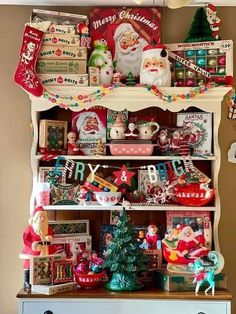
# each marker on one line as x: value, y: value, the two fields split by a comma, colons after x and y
x: 25, y: 75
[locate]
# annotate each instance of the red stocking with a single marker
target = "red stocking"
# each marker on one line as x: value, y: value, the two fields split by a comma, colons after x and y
x: 25, y: 75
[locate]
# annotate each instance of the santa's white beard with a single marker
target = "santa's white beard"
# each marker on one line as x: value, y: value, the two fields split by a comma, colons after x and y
x: 129, y: 61
x: 41, y: 228
x: 185, y: 238
x: 160, y: 78
x: 85, y: 136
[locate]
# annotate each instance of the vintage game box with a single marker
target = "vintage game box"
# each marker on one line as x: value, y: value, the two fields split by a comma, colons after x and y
x: 65, y: 228
x: 196, y: 63
x: 202, y: 219
x: 183, y: 282
x: 61, y: 66
x: 52, y: 136
x: 57, y: 17
x: 62, y: 245
x: 127, y: 31
x: 41, y: 267
x: 199, y: 126
x: 90, y: 126
x: 111, y: 118
x: 53, y: 289
x: 54, y: 79
x: 63, y: 53
x: 61, y: 40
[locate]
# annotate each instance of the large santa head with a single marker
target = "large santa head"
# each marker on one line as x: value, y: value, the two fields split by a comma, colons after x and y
x: 155, y: 66
x: 89, y: 126
x: 126, y: 47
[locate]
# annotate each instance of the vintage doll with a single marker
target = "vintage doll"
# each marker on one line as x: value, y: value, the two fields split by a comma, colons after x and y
x: 152, y: 237
x: 72, y: 145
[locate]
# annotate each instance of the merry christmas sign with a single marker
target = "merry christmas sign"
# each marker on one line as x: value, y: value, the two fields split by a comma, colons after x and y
x: 127, y: 31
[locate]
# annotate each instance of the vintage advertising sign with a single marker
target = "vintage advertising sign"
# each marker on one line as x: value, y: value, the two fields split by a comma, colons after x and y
x: 127, y: 31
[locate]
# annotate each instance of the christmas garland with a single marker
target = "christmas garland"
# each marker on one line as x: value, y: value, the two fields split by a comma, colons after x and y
x: 82, y: 100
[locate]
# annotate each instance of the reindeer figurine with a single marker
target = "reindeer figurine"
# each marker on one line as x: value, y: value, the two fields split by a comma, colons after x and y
x: 206, y: 273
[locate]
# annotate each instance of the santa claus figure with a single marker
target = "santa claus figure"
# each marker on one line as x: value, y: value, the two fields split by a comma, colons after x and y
x: 36, y: 239
x: 191, y: 245
x: 132, y: 132
x: 126, y: 47
x: 213, y: 19
x: 163, y: 141
x: 155, y: 66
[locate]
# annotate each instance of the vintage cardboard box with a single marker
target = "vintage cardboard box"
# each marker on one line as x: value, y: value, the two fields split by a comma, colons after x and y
x: 65, y: 228
x: 199, y: 126
x: 63, y: 53
x: 52, y: 136
x: 61, y: 66
x: 61, y: 40
x: 127, y: 31
x: 90, y: 126
x: 53, y: 289
x: 57, y: 17
x: 64, y: 79
x: 199, y: 62
x: 182, y: 282
x: 94, y: 76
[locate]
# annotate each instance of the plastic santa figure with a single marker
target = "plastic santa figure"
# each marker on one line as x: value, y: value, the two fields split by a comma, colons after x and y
x: 132, y: 132
x: 101, y: 58
x: 163, y: 141
x: 175, y: 142
x: 213, y: 19
x: 191, y: 245
x: 36, y: 239
x: 155, y: 66
x: 126, y: 47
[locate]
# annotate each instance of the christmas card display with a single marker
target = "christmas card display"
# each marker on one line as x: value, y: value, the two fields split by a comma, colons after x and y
x: 65, y: 228
x: 127, y: 31
x: 183, y: 282
x: 196, y: 63
x: 52, y: 136
x: 198, y: 126
x: 90, y: 127
x: 53, y: 289
x: 199, y: 220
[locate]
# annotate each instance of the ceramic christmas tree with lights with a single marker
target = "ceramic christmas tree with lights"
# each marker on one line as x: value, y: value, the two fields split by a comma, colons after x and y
x: 124, y: 257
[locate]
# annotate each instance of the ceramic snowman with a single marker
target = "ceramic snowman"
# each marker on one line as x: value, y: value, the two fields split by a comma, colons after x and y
x: 118, y: 129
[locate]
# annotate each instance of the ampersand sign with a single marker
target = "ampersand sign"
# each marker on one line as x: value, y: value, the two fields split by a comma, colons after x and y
x: 123, y: 176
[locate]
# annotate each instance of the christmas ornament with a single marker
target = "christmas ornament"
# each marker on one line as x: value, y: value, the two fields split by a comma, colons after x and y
x: 201, y: 52
x: 180, y: 83
x: 189, y: 53
x: 123, y: 176
x: 155, y: 66
x: 25, y: 74
x: 200, y: 29
x: 180, y: 74
x: 221, y: 71
x: 201, y: 62
x: 221, y: 60
x: 189, y: 82
x: 124, y: 257
x: 212, y: 52
x: 101, y: 58
x: 211, y: 70
x: 211, y: 62
x: 190, y: 74
x: 178, y: 65
x: 214, y: 20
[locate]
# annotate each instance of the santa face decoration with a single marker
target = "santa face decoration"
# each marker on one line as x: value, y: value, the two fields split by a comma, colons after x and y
x: 155, y: 66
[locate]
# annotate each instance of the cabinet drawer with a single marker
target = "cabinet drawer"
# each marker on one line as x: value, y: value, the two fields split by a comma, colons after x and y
x: 104, y: 306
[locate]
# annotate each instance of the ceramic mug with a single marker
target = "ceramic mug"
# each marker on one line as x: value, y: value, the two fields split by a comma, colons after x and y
x: 146, y: 130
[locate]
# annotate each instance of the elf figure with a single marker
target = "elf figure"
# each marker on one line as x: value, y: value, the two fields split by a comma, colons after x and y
x: 213, y: 19
x: 155, y: 66
x: 101, y: 58
x: 25, y: 75
x: 83, y: 30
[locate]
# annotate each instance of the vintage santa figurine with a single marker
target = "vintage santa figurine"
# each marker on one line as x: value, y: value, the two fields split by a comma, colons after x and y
x: 155, y: 66
x: 132, y: 131
x: 36, y: 240
x: 152, y: 237
x: 72, y: 145
x: 163, y: 140
x: 117, y: 131
x: 213, y: 19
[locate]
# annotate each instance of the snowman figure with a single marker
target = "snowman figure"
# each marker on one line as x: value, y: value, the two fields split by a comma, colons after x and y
x: 117, y: 131
x: 101, y: 58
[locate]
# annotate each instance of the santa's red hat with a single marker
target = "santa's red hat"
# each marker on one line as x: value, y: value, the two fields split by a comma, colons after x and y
x: 80, y: 27
x: 211, y: 7
x: 158, y: 50
x: 37, y: 209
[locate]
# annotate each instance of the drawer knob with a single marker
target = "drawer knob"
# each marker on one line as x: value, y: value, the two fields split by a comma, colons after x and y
x: 48, y: 312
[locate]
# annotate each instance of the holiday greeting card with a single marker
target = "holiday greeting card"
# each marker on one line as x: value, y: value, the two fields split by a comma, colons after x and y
x: 90, y: 127
x: 127, y: 31
x: 198, y: 125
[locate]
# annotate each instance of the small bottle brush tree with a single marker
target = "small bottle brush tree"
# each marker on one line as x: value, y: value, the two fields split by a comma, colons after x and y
x: 124, y: 258
x: 130, y: 80
x: 200, y: 29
